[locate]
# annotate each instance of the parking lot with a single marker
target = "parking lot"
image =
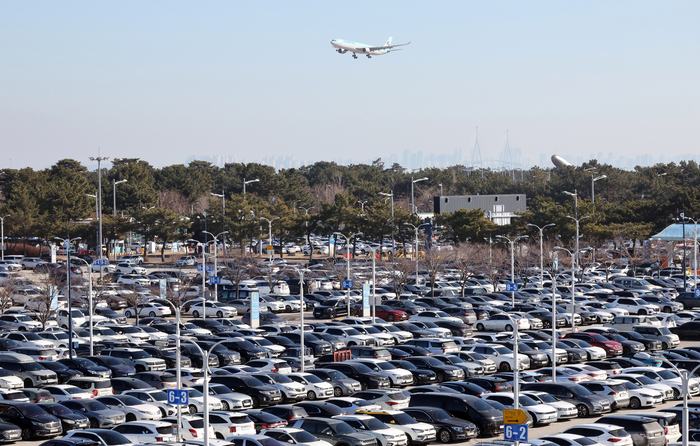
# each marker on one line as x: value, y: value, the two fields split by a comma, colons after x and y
x: 473, y: 325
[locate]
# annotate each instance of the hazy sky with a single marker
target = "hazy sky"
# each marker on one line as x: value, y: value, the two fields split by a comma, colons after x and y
x: 164, y: 80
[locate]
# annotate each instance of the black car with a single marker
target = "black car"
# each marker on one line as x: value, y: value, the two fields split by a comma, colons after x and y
x: 342, y: 385
x: 492, y: 384
x: 466, y: 388
x: 319, y: 346
x: 120, y: 385
x: 69, y: 419
x: 287, y: 412
x: 261, y: 394
x: 118, y: 368
x: 195, y: 355
x: 246, y: 349
x: 321, y: 409
x: 420, y: 375
x: 688, y: 330
x: 650, y: 345
x: 448, y: 428
x: 86, y: 367
x: 488, y: 421
x: 212, y: 325
x: 413, y: 350
x: 167, y: 355
x: 628, y: 362
x: 332, y: 308
x: 225, y: 355
x: 34, y: 421
x: 265, y: 420
x: 456, y: 328
x: 586, y: 402
x: 63, y: 372
x: 444, y: 372
x: 360, y: 372
x: 111, y: 314
x: 10, y: 432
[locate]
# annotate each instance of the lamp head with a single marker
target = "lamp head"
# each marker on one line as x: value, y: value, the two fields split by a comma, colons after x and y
x: 569, y: 193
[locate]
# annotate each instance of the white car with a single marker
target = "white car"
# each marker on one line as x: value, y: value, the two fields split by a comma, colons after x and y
x: 541, y: 413
x: 645, y: 382
x: 212, y: 309
x: 149, y: 309
x: 315, y: 387
x: 227, y: 424
x: 361, y: 422
x: 192, y: 427
x: 607, y: 434
x: 668, y: 376
x: 398, y: 377
x: 147, y: 432
x: 352, y: 405
x: 270, y: 365
x: 134, y: 279
x: 416, y: 431
x: 230, y: 400
x: 19, y: 322
x: 290, y: 389
x: 29, y: 340
x: 156, y: 397
x: 293, y: 436
x: 132, y: 407
x: 594, y: 374
x: 9, y: 381
x: 564, y: 409
x: 31, y: 262
x: 434, y: 316
x: 502, y: 322
x: 129, y: 268
x: 635, y: 305
x: 196, y: 402
x: 502, y: 356
x: 11, y: 266
x: 393, y: 399
x: 639, y: 397
x: 563, y: 440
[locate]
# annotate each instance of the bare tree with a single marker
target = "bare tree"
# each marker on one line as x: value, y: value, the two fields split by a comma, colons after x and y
x: 6, y: 292
x: 238, y: 270
x: 434, y: 263
x: 398, y: 271
x: 48, y: 286
x: 465, y: 253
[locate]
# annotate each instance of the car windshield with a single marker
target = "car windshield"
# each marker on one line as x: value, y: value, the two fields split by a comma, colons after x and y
x: 546, y: 398
x: 439, y: 414
x: 374, y: 424
x: 113, y: 438
x: 94, y: 405
x: 344, y: 428
x: 503, y: 350
x: 645, y: 380
x: 580, y: 390
x: 313, y: 379
x: 84, y: 362
x: 664, y: 330
x: 303, y: 437
x: 57, y: 409
x: 527, y: 401
x: 280, y: 379
x: 666, y: 374
x: 32, y: 366
x: 129, y: 400
x: 159, y: 396
x: 386, y: 366
x: 334, y: 374
x: 630, y: 385
x: 194, y: 392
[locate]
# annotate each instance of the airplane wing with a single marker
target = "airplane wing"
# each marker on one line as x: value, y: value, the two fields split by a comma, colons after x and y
x: 377, y: 48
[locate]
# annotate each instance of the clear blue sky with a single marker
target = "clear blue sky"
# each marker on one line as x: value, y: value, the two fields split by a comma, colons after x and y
x: 164, y: 80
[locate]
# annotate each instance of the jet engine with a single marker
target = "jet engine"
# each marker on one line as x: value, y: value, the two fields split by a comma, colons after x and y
x: 366, y: 50
x: 342, y: 51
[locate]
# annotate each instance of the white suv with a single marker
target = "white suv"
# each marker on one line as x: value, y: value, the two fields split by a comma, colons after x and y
x: 635, y: 305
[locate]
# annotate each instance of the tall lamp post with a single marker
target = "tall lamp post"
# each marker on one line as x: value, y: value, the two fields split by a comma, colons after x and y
x: 99, y: 159
x: 216, y: 270
x: 413, y: 207
x: 302, y: 354
x: 223, y: 218
x: 248, y: 182
x: 541, y: 254
x: 89, y: 267
x: 391, y: 195
x: 573, y: 286
x: 114, y: 195
x: 593, y: 180
x: 695, y: 250
x: 2, y: 235
x: 269, y: 234
x: 98, y: 234
x: 362, y: 203
x: 347, y: 258
x: 415, y: 253
x: 306, y: 210
x: 512, y: 262
x: 66, y: 242
x: 578, y: 225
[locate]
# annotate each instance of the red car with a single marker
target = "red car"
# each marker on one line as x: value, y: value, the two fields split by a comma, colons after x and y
x: 612, y: 348
x: 391, y: 314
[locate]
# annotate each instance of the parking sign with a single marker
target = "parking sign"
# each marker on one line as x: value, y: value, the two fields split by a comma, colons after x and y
x: 515, y: 432
x: 178, y: 397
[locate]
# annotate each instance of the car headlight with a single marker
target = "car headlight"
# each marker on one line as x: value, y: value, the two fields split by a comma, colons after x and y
x: 70, y: 421
x: 457, y: 429
x: 418, y: 431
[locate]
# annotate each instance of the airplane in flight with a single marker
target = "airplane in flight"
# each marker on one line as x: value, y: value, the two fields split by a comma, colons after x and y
x: 343, y: 46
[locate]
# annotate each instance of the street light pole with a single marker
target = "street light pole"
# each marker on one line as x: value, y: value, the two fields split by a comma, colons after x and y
x: 98, y: 234
x: 413, y: 207
x: 114, y: 195
x: 593, y: 180
x: 393, y: 245
x: 223, y: 218
x: 216, y: 270
x: 347, y: 259
x: 248, y: 182
x: 541, y: 254
x: 415, y: 253
x: 66, y: 242
x: 362, y: 203
x: 573, y: 287
x: 512, y: 262
x: 269, y: 234
x: 89, y: 267
x: 2, y: 235
x: 577, y: 263
x: 99, y: 159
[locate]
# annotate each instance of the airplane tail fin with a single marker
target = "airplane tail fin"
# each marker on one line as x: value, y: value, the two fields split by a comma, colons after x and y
x: 388, y: 42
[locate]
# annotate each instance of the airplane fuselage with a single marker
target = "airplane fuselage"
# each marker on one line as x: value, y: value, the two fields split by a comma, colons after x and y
x: 344, y: 46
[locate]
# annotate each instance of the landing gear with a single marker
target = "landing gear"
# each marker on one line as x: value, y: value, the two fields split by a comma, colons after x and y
x: 369, y: 57
x: 354, y: 56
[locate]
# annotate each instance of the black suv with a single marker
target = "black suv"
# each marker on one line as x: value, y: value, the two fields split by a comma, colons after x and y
x: 360, y: 372
x: 34, y: 421
x: 262, y: 394
x: 332, y: 308
x: 488, y: 421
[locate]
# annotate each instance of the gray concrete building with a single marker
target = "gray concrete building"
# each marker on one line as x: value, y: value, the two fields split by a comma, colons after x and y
x: 500, y: 209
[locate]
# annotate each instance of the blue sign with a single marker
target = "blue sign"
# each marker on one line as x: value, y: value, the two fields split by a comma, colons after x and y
x: 163, y: 288
x: 254, y: 309
x: 510, y: 286
x: 178, y: 397
x: 697, y: 292
x: 101, y: 262
x: 214, y: 280
x: 515, y: 432
x: 346, y: 284
x: 209, y: 268
x: 365, y: 299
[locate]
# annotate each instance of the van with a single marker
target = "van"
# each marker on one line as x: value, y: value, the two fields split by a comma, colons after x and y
x: 93, y: 385
x: 488, y: 420
x: 29, y: 370
x: 627, y: 323
x: 663, y: 334
x: 436, y: 345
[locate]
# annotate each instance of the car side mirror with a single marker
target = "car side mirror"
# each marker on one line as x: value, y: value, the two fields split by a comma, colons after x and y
x: 83, y: 409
